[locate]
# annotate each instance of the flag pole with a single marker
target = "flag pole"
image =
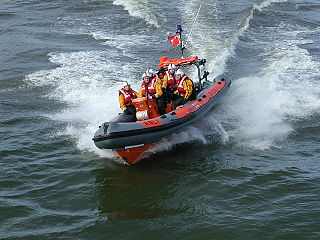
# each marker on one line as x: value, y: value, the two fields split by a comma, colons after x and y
x: 179, y: 31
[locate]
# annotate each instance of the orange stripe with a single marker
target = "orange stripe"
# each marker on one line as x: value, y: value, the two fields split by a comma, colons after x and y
x: 196, y: 105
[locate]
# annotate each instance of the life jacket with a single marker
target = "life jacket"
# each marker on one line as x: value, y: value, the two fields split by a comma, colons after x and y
x: 150, y: 89
x: 128, y: 96
x: 180, y: 87
x: 171, y: 81
x: 160, y: 75
x: 157, y: 79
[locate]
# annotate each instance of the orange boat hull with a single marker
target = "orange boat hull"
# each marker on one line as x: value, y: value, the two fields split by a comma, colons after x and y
x: 135, y: 154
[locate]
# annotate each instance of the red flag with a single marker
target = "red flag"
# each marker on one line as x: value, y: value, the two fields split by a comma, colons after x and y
x: 175, y: 40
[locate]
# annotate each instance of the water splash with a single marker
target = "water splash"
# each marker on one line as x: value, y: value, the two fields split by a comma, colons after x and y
x: 211, y: 40
x: 258, y: 112
x: 139, y: 8
x: 261, y: 108
x: 83, y: 82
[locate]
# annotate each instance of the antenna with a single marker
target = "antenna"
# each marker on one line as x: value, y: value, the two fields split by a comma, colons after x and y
x: 194, y: 23
x: 179, y: 31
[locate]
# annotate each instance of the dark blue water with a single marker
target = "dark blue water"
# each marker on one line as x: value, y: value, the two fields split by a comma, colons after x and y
x: 249, y: 170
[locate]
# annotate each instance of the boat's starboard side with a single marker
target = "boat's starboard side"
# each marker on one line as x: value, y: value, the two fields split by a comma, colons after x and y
x: 130, y: 140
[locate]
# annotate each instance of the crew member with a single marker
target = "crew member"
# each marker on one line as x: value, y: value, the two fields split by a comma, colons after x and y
x: 169, y: 82
x: 150, y: 88
x: 126, y: 94
x: 153, y: 74
x: 184, y: 89
x: 161, y: 73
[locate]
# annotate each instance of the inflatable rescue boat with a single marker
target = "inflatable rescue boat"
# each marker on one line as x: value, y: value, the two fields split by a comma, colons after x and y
x: 132, y: 139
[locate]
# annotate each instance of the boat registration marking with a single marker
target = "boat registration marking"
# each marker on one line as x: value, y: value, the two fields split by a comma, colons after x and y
x: 151, y: 122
